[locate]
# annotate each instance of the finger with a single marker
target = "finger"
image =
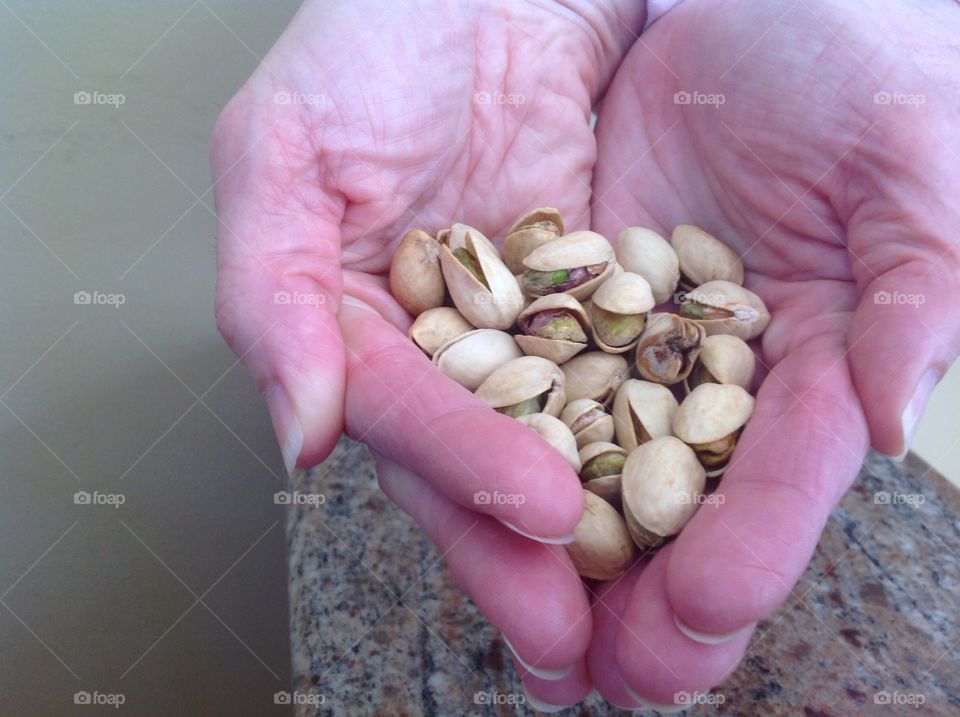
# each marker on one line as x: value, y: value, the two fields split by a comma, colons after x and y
x: 399, y: 403
x: 555, y: 695
x: 278, y: 280
x: 538, y: 602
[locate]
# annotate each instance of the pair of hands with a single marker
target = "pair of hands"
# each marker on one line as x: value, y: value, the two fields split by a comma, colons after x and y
x: 365, y: 120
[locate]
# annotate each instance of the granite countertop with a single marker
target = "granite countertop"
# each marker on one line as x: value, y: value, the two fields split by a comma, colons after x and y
x: 378, y: 626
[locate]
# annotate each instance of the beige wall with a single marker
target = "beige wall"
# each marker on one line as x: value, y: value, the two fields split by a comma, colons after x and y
x: 938, y: 437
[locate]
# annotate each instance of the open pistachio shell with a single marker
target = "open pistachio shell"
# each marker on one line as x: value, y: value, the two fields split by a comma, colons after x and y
x: 602, y: 465
x: 722, y: 307
x: 576, y: 263
x: 529, y: 384
x: 434, y: 327
x: 555, y: 432
x: 709, y: 420
x: 558, y: 339
x: 595, y: 375
x: 456, y: 238
x: 601, y: 547
x: 588, y: 421
x: 531, y: 231
x: 723, y: 359
x: 642, y: 411
x: 471, y: 357
x: 662, y: 483
x: 644, y: 252
x: 703, y: 257
x: 416, y: 280
x: 482, y: 288
x: 668, y: 348
x: 618, y: 311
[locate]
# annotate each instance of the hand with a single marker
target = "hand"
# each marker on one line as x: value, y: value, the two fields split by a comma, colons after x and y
x: 363, y: 122
x: 843, y: 203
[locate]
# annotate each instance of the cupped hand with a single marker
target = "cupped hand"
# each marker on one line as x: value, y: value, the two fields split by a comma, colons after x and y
x: 822, y: 141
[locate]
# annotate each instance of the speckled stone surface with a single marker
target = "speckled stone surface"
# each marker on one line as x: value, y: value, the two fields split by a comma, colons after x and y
x: 378, y: 627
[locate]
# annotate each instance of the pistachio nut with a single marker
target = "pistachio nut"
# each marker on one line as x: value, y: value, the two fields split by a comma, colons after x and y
x: 588, y: 421
x: 710, y: 419
x: 703, y: 257
x: 554, y: 326
x: 471, y: 357
x: 529, y: 384
x: 662, y: 482
x: 602, y: 465
x: 644, y: 252
x: 555, y: 432
x: 456, y: 236
x: 722, y: 307
x: 595, y: 375
x: 531, y: 231
x: 618, y: 311
x: 416, y: 279
x: 576, y: 263
x: 668, y: 348
x: 642, y: 411
x: 601, y: 547
x: 482, y: 288
x: 723, y: 359
x: 434, y: 327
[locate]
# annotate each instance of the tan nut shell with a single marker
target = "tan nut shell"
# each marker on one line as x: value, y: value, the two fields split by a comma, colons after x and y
x: 416, y: 279
x: 493, y: 308
x: 573, y: 250
x: 750, y: 315
x: 595, y: 375
x: 644, y: 252
x: 600, y: 429
x: 650, y: 405
x: 471, y: 357
x: 601, y: 547
x: 434, y: 327
x: 607, y: 487
x: 555, y: 432
x: 712, y: 411
x: 522, y: 379
x: 670, y: 368
x: 728, y: 359
x: 623, y: 294
x: 522, y: 238
x: 554, y: 349
x: 661, y: 482
x: 703, y: 257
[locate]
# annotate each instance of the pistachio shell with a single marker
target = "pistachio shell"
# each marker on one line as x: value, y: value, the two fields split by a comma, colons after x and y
x: 711, y: 412
x: 471, y: 357
x: 618, y: 310
x: 723, y: 359
x: 595, y: 375
x: 703, y: 257
x: 532, y: 230
x: 668, y: 348
x: 494, y: 306
x: 524, y: 379
x: 557, y: 350
x: 662, y: 481
x: 748, y: 315
x: 601, y: 547
x: 416, y: 280
x: 608, y: 487
x: 576, y: 250
x: 456, y: 238
x: 555, y: 432
x: 588, y: 421
x: 644, y: 252
x: 434, y: 327
x: 642, y: 411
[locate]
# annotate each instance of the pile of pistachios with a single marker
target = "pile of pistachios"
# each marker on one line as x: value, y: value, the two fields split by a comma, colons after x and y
x: 559, y: 330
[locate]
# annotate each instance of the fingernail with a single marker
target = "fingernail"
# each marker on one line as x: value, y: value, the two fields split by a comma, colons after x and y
x: 647, y: 704
x: 346, y: 300
x: 548, y: 675
x: 562, y: 540
x: 705, y: 638
x: 915, y: 407
x: 285, y: 424
x: 540, y: 705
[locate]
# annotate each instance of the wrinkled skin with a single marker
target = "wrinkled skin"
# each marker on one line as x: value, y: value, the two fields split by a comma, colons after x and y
x: 830, y: 196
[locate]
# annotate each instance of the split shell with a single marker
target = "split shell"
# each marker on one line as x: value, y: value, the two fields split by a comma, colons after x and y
x: 703, y: 257
x: 435, y: 327
x: 471, y: 357
x: 660, y: 357
x: 607, y: 487
x: 725, y: 359
x: 750, y: 316
x: 643, y: 411
x: 556, y: 350
x: 711, y: 412
x: 524, y: 236
x: 571, y: 251
x: 623, y: 294
x: 595, y: 375
x: 555, y: 432
x: 598, y: 429
x: 522, y: 379
x: 601, y: 547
